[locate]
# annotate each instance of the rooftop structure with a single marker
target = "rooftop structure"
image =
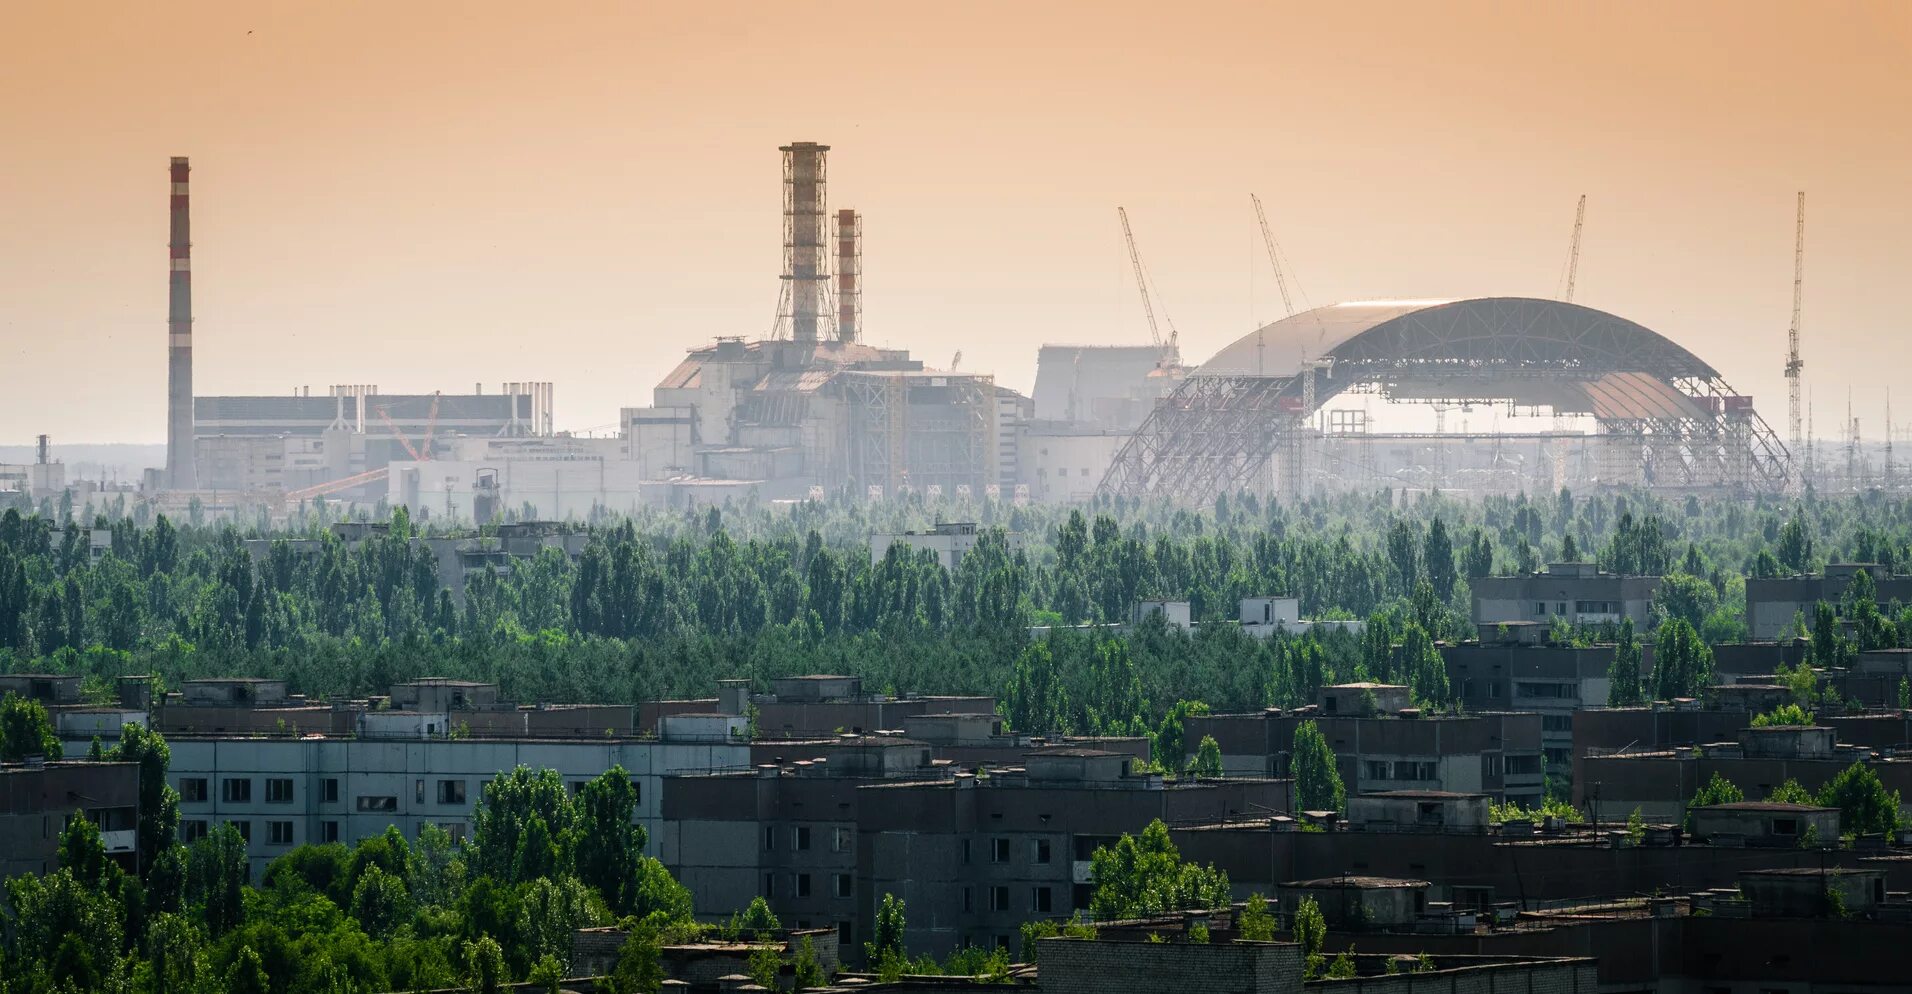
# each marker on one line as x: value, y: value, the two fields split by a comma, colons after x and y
x: 1575, y: 592
x: 1255, y: 400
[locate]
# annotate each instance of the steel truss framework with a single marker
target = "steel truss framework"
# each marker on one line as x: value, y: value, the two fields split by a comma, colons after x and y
x: 1218, y: 431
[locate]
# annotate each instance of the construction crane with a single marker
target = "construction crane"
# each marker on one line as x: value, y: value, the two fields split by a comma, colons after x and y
x: 1274, y: 256
x: 1573, y: 254
x: 431, y: 429
x: 375, y: 475
x: 1793, y: 363
x: 1142, y: 284
x: 956, y: 360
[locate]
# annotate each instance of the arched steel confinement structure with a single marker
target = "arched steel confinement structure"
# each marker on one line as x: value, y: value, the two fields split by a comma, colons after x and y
x: 1668, y: 414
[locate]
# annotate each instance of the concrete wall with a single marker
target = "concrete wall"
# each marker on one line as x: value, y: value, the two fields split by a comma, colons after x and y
x: 1081, y: 966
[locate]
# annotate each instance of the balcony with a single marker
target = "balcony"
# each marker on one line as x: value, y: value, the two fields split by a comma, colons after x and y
x: 122, y: 840
x: 1082, y: 872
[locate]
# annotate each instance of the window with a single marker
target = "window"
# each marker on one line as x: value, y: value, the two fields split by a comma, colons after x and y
x: 279, y: 833
x: 455, y: 829
x: 192, y: 831
x: 245, y: 829
x: 577, y: 785
x: 999, y: 899
x: 1785, y: 826
x: 279, y: 790
x: 192, y: 790
x: 800, y: 838
x: 968, y: 900
x: 1043, y: 902
x: 328, y: 831
x: 1556, y: 723
x: 451, y: 792
x: 840, y: 839
x: 965, y: 851
x: 1040, y: 852
x: 377, y: 802
x: 769, y: 886
x: 844, y: 885
x: 999, y: 851
x: 769, y: 838
x: 1377, y: 769
x: 329, y: 790
x: 637, y: 791
x: 418, y: 791
x: 236, y: 790
x: 803, y: 885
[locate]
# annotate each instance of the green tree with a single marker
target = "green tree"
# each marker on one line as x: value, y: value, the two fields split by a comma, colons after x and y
x: 1623, y: 674
x: 158, y: 801
x: 1718, y: 790
x: 808, y: 973
x: 640, y: 963
x: 1865, y: 806
x: 1682, y: 663
x: 758, y: 919
x: 484, y: 966
x: 1208, y: 759
x: 610, y: 842
x: 1783, y: 715
x: 1142, y: 876
x: 1256, y: 924
x: 218, y: 869
x: 247, y: 974
x: 887, y: 938
x: 25, y: 730
x: 1317, y: 778
x: 523, y: 827
x: 1311, y: 932
x: 547, y: 974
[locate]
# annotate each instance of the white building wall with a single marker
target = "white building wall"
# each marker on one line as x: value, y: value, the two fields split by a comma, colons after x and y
x: 367, y: 772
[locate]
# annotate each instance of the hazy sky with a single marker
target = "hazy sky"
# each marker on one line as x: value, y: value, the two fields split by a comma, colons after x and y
x: 425, y: 195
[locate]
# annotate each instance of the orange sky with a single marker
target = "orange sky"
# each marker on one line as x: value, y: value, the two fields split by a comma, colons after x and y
x: 424, y: 195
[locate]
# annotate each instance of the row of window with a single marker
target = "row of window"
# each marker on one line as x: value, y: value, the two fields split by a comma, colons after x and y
x: 840, y: 841
x: 841, y: 885
x: 279, y: 790
x: 279, y: 832
x: 800, y: 838
x: 1402, y: 769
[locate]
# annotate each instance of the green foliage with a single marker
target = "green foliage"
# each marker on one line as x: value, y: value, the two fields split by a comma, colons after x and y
x: 1255, y: 923
x: 546, y: 974
x: 1682, y: 663
x: 1790, y: 792
x: 1311, y: 932
x: 1718, y: 790
x: 757, y: 919
x: 1033, y: 931
x: 1783, y: 715
x: 484, y: 966
x: 25, y: 730
x: 1342, y: 967
x: 1318, y: 785
x: 1208, y: 759
x: 806, y: 972
x: 887, y: 939
x: 1865, y: 806
x: 1550, y: 807
x: 1623, y: 674
x: 1144, y: 875
x: 524, y: 827
x: 765, y: 965
x: 1636, y: 828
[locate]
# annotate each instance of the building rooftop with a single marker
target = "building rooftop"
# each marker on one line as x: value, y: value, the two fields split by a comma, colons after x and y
x: 1778, y: 806
x: 1424, y: 795
x: 1356, y: 883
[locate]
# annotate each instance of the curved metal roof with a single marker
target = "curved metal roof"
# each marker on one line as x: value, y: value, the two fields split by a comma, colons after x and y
x: 1481, y: 331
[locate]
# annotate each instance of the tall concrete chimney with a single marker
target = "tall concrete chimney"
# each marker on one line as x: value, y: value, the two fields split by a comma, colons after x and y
x: 805, y: 181
x: 179, y: 338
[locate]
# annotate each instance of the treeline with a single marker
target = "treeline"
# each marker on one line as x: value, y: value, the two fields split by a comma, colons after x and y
x: 664, y: 604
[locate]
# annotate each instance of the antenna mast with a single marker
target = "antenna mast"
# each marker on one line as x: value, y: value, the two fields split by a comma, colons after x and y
x: 1573, y: 254
x: 1793, y: 363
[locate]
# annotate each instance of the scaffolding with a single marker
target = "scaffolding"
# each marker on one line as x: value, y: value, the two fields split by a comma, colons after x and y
x: 914, y: 430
